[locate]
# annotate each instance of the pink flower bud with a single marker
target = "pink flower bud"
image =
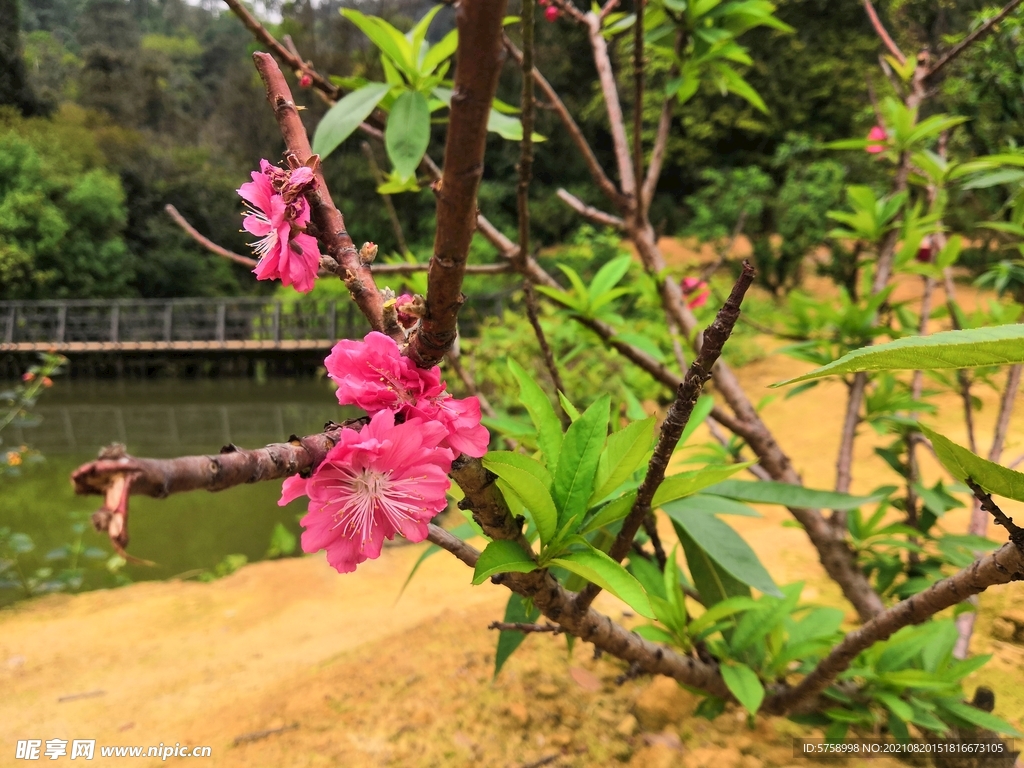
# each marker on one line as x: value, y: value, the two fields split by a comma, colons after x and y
x: 877, y: 138
x: 28, y: 376
x: 697, y: 291
x: 551, y: 13
x: 47, y: 382
x: 305, y: 80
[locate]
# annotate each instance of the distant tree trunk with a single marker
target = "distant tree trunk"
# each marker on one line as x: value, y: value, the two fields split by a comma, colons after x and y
x: 14, y: 88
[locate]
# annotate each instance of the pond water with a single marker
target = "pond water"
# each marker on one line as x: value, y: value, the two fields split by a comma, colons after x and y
x: 184, y: 534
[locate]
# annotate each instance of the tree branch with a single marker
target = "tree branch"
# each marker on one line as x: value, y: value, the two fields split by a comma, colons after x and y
x: 525, y: 627
x: 609, y: 90
x: 569, y: 123
x: 476, y: 79
x: 329, y: 223
x: 638, y: 106
x: 1001, y: 567
x: 675, y: 422
x: 970, y: 40
x: 206, y: 242
x: 883, y: 34
x: 590, y: 213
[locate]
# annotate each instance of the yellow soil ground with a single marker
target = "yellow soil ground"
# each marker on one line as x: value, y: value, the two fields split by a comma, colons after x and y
x: 355, y: 679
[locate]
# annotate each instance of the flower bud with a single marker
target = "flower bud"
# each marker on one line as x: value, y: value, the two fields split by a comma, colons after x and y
x: 28, y: 376
x: 551, y: 13
x: 305, y: 80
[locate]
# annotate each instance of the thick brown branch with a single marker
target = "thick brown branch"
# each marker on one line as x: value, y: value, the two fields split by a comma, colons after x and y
x: 675, y: 422
x: 329, y: 223
x: 590, y: 213
x: 970, y: 40
x: 476, y: 79
x: 1002, y: 566
x: 597, y: 173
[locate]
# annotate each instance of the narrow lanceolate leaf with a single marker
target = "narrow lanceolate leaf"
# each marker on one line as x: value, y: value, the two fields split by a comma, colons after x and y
x: 530, y: 481
x: 612, y: 512
x: 515, y: 612
x: 407, y: 133
x: 577, y: 463
x: 1000, y: 345
x: 729, y: 551
x: 712, y: 505
x: 771, y: 492
x: 502, y: 557
x: 596, y: 566
x: 962, y: 464
x: 713, y: 582
x: 978, y: 717
x: 688, y: 483
x: 542, y: 414
x: 389, y: 40
x: 624, y: 453
x: 345, y: 116
x: 744, y: 685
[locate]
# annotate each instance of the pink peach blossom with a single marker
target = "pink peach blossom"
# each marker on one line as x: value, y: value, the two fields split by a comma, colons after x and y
x: 374, y: 375
x: 876, y: 140
x: 697, y: 291
x: 278, y: 214
x: 383, y: 480
x: 461, y: 418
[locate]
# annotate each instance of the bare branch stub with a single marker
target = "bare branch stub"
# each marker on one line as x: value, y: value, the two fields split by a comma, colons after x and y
x: 329, y: 223
x: 988, y: 504
x: 715, y: 337
x: 476, y: 80
x: 206, y: 242
x: 883, y: 34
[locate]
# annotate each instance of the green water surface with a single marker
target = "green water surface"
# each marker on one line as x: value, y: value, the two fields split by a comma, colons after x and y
x: 188, y: 532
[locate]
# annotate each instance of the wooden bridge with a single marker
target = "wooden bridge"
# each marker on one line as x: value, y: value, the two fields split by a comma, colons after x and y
x: 193, y: 325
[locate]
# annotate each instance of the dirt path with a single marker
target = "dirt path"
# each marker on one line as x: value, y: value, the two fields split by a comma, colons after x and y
x: 369, y: 682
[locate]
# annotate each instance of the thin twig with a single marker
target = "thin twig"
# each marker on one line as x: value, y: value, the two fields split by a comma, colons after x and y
x: 206, y: 242
x: 476, y: 80
x: 970, y: 40
x: 525, y: 627
x: 638, y: 107
x: 523, y: 202
x: 883, y: 34
x: 590, y: 213
x: 389, y: 205
x: 715, y: 337
x: 1015, y: 532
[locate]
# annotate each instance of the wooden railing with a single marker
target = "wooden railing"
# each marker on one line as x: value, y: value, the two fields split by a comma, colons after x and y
x: 190, y: 324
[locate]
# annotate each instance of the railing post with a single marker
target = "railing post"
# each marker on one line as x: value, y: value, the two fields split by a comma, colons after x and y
x: 277, y: 323
x: 332, y: 321
x: 221, y: 312
x: 62, y: 323
x: 12, y: 319
x: 168, y: 322
x: 115, y: 323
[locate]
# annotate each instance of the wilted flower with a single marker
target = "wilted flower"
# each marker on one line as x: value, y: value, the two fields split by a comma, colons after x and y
x: 877, y: 138
x: 925, y: 251
x: 383, y: 480
x: 278, y: 215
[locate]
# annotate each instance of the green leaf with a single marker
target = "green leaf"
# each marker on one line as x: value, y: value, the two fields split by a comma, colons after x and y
x: 525, y: 479
x: 440, y: 52
x: 613, y: 511
x: 345, y: 116
x: 688, y: 483
x: 734, y: 83
x: 978, y: 717
x: 407, y: 133
x: 578, y: 460
x: 771, y: 492
x: 418, y: 33
x: 537, y: 404
x: 744, y: 685
x: 729, y: 551
x: 999, y: 345
x: 625, y: 451
x: 712, y: 505
x: 389, y: 40
x: 568, y: 407
x: 596, y: 566
x: 502, y: 557
x: 896, y: 705
x: 521, y: 461
x: 515, y: 612
x: 712, y: 581
x: 721, y: 610
x: 962, y: 464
